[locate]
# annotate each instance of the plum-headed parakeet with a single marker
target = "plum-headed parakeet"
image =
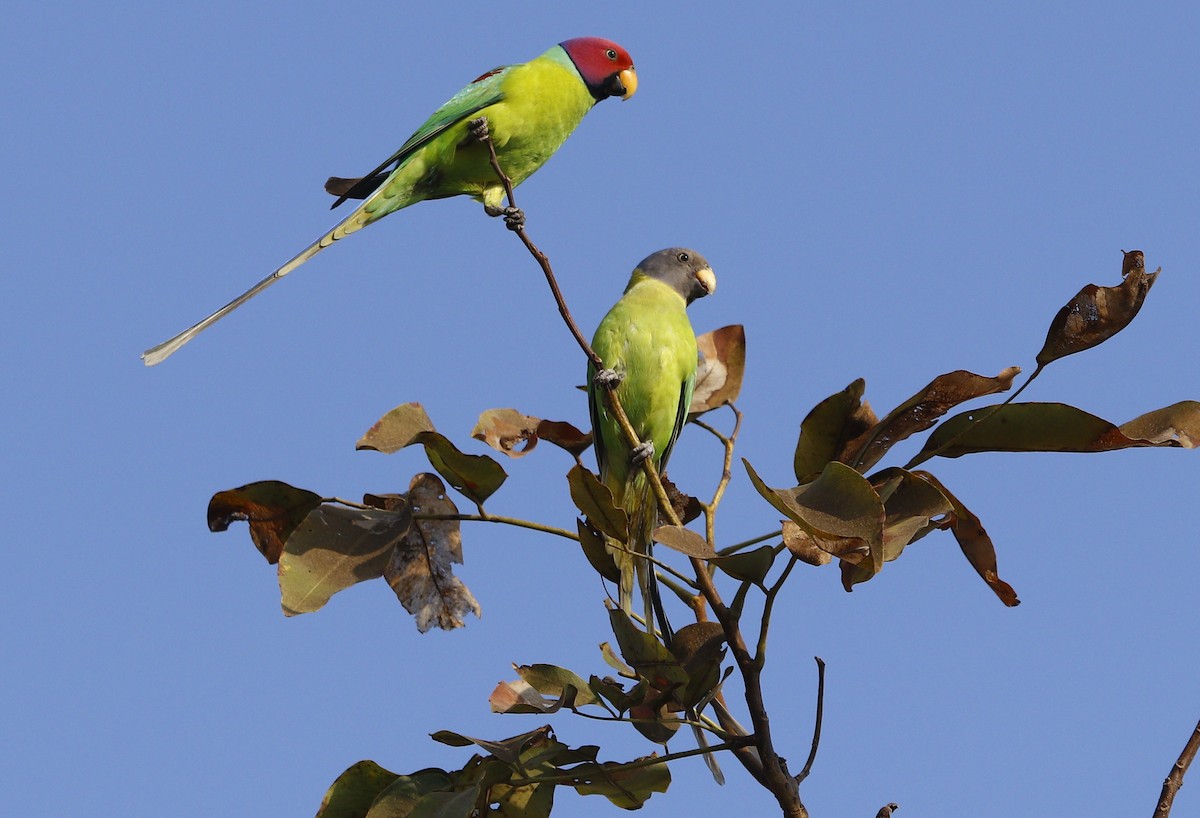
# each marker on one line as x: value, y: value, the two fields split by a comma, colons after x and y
x: 647, y: 342
x: 531, y: 108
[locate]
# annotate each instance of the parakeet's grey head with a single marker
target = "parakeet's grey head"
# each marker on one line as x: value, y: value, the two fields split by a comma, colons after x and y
x: 685, y: 271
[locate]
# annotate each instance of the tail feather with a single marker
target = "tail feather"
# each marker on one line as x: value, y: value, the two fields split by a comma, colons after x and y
x: 640, y: 504
x: 354, y: 222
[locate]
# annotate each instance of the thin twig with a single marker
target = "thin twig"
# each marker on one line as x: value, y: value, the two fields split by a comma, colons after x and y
x: 492, y: 518
x: 760, y: 658
x: 812, y: 754
x: 1174, y: 779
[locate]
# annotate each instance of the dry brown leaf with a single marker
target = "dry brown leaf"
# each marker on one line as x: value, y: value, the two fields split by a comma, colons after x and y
x: 720, y: 371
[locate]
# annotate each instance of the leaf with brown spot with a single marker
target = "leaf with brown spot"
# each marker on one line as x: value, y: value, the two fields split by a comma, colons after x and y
x: 838, y: 505
x: 721, y: 368
x: 518, y: 697
x: 1096, y: 313
x: 828, y: 427
x: 1030, y: 427
x: 552, y: 680
x: 336, y: 547
x: 912, y: 507
x: 975, y: 543
x: 419, y: 567
x: 272, y: 508
x: 397, y: 429
x: 921, y: 411
x: 505, y: 430
x: 595, y: 500
x: 565, y: 436
x: 1178, y: 423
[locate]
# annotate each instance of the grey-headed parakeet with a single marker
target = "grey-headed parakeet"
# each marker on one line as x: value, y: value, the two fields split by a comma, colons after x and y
x: 647, y: 341
x: 531, y: 108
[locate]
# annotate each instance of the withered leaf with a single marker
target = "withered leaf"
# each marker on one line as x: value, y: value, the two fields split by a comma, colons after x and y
x: 838, y: 505
x: 1096, y: 313
x: 419, y: 567
x: 336, y: 547
x: 721, y: 368
x: 921, y: 411
x: 805, y: 548
x: 699, y: 649
x: 684, y: 540
x: 1179, y: 423
x: 828, y: 427
x: 552, y: 680
x: 521, y: 698
x: 505, y: 430
x: 975, y: 543
x: 272, y: 508
x: 686, y: 507
x: 1033, y: 427
x: 565, y: 436
x: 595, y: 500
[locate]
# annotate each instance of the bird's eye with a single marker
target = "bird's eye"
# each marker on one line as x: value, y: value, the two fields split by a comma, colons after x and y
x: 683, y: 257
x: 612, y: 55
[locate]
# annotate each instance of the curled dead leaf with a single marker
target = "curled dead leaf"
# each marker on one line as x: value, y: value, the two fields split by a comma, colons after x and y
x: 721, y: 368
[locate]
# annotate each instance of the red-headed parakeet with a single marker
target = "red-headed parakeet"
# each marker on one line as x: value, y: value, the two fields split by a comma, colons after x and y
x: 648, y: 344
x: 530, y: 108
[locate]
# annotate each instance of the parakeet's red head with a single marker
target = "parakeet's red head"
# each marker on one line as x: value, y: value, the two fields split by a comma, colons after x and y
x: 606, y: 68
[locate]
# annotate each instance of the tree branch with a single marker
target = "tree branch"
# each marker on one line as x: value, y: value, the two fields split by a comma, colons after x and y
x: 1174, y: 780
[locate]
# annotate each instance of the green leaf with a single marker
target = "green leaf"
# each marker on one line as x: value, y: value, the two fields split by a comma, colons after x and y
x: 595, y: 500
x: 598, y: 555
x: 440, y: 804
x: 353, y: 792
x: 557, y: 681
x: 399, y: 799
x: 334, y: 548
x: 272, y: 508
x: 476, y: 476
x: 628, y: 788
x: 1028, y: 427
x: 838, y: 505
x: 827, y: 428
x: 747, y: 566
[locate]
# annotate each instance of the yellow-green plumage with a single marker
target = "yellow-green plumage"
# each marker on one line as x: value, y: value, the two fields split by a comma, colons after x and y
x: 648, y: 342
x: 530, y: 108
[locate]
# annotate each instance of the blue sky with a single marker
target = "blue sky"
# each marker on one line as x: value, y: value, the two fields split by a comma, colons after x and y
x: 889, y: 192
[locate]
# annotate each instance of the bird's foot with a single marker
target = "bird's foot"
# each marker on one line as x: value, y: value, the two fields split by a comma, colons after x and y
x: 478, y: 129
x: 608, y: 378
x: 514, y: 218
x: 641, y: 452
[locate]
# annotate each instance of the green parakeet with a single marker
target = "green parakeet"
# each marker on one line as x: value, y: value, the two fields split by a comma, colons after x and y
x: 647, y: 342
x: 531, y: 108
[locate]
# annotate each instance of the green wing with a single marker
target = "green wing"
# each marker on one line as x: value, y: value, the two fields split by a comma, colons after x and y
x: 681, y: 416
x: 484, y: 91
